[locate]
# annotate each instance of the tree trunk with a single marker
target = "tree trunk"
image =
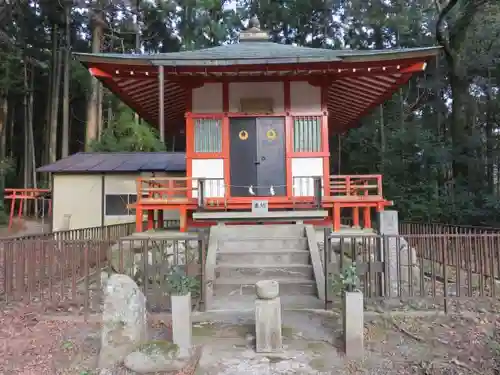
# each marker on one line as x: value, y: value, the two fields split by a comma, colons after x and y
x: 31, y: 137
x: 67, y: 78
x: 11, y: 118
x: 4, y: 111
x: 48, y: 106
x: 137, y: 42
x: 459, y: 128
x: 54, y: 115
x: 490, y: 142
x: 99, y: 110
x: 92, y: 111
x: 382, y: 139
x: 26, y: 154
x: 110, y: 113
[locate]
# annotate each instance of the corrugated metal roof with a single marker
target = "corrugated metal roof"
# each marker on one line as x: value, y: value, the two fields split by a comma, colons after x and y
x: 102, y: 162
x: 252, y: 53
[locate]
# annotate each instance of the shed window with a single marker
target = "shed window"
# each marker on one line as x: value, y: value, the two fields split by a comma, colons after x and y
x: 116, y: 204
x: 307, y: 134
x: 208, y: 135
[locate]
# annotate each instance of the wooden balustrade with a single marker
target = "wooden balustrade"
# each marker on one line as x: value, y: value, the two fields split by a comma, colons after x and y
x: 174, y: 190
x: 187, y: 194
x: 351, y: 186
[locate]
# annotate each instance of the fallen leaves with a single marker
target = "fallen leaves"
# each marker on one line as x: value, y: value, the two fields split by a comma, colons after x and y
x: 28, y: 344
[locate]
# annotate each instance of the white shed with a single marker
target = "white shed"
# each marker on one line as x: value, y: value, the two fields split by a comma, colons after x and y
x: 91, y: 189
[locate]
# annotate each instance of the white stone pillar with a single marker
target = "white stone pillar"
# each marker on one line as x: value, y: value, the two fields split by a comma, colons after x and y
x: 268, y: 335
x: 353, y: 324
x: 181, y: 322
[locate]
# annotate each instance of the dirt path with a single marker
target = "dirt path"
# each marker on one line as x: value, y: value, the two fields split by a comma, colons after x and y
x: 25, y: 227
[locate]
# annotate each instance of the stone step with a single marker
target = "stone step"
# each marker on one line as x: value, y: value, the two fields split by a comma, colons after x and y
x: 288, y: 286
x: 263, y: 256
x: 264, y: 271
x: 250, y: 244
x: 260, y: 231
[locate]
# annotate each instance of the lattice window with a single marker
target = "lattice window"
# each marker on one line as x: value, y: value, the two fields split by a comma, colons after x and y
x: 307, y: 134
x: 208, y: 135
x: 116, y: 205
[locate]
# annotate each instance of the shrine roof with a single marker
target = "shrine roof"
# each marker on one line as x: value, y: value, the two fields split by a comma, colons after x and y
x: 118, y: 162
x: 256, y: 53
x: 355, y: 81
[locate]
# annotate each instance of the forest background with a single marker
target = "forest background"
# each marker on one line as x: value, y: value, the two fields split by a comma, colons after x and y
x: 437, y: 141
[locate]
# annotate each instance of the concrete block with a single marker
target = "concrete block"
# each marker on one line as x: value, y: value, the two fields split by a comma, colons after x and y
x: 353, y: 324
x: 181, y: 322
x: 268, y: 333
x: 267, y: 289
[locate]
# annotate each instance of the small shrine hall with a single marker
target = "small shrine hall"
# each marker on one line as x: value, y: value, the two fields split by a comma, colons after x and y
x: 256, y: 118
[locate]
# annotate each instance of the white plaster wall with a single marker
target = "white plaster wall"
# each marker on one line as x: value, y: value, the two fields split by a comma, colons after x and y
x: 208, y: 99
x: 127, y: 184
x: 303, y: 171
x: 240, y: 90
x: 304, y: 98
x: 76, y: 201
x: 209, y: 168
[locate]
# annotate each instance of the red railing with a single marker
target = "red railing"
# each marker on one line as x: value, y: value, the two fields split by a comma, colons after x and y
x: 23, y: 195
x: 168, y: 189
x: 356, y: 185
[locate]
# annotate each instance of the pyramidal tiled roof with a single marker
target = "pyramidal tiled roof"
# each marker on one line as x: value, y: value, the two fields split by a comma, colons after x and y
x: 254, y: 52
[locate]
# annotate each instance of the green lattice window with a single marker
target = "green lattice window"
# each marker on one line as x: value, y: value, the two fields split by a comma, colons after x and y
x: 307, y: 134
x: 208, y: 135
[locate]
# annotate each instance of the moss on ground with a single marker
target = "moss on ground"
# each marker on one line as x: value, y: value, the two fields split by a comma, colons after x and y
x: 160, y: 347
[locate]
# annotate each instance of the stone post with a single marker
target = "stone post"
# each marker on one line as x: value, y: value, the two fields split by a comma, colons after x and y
x: 353, y: 325
x: 181, y: 322
x: 388, y: 226
x: 268, y: 335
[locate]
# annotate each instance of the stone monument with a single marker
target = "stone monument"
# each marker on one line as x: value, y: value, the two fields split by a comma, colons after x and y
x: 268, y: 334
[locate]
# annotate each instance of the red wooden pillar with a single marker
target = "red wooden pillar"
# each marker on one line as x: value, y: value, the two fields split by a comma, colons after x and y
x: 138, y: 218
x: 151, y: 219
x: 336, y: 217
x: 20, y: 212
x: 12, y: 208
x: 367, y: 220
x: 183, y: 219
x: 355, y: 216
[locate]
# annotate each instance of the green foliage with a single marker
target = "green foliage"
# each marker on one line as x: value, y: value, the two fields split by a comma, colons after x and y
x: 125, y: 134
x: 347, y: 280
x: 415, y: 143
x: 180, y: 284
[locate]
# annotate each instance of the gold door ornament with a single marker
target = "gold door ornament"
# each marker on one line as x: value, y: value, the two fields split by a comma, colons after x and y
x: 243, y: 135
x: 271, y: 134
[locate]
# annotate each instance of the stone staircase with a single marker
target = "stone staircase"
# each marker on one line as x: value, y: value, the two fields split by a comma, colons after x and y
x: 246, y: 254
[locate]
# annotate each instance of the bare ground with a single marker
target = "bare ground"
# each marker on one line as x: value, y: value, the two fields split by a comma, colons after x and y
x: 398, y: 345
x: 25, y: 227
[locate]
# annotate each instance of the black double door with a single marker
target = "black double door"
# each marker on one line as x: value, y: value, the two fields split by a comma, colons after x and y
x: 257, y: 156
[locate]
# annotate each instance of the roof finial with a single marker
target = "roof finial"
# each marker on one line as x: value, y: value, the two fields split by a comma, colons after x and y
x: 253, y: 33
